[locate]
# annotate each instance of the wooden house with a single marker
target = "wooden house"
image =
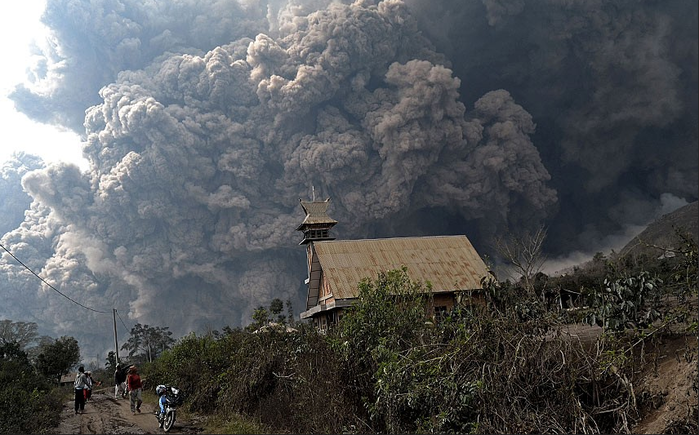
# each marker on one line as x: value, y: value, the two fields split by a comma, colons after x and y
x: 68, y: 379
x: 335, y: 267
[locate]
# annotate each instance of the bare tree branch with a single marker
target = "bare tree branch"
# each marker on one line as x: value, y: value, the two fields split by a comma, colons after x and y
x: 525, y: 253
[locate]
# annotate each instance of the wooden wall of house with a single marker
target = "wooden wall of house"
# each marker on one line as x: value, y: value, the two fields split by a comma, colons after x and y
x: 472, y: 298
x: 448, y: 300
x: 443, y: 300
x: 328, y: 319
x: 309, y: 255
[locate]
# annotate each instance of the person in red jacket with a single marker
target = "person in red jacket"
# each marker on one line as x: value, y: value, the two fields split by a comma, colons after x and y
x: 88, y: 386
x: 135, y: 385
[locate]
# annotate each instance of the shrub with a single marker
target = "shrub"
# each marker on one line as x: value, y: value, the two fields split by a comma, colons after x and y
x: 278, y: 379
x: 630, y: 301
x: 28, y: 403
x: 388, y: 368
x: 194, y: 365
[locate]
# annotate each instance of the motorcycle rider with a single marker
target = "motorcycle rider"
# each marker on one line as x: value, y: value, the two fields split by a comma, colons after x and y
x: 160, y: 390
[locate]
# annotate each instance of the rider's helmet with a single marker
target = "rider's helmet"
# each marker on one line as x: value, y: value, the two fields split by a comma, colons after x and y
x: 160, y: 390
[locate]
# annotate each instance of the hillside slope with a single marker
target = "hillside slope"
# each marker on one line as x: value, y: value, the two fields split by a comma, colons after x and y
x: 667, y: 391
x: 667, y: 388
x: 661, y: 235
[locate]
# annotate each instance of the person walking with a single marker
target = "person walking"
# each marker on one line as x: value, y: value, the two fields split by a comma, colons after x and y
x: 88, y: 388
x: 119, y: 382
x: 79, y: 385
x: 135, y: 385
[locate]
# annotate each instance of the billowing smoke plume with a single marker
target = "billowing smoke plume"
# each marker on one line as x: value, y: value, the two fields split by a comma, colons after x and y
x: 611, y: 85
x: 14, y: 200
x: 205, y: 124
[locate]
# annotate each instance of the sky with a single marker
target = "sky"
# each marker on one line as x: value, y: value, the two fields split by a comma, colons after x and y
x: 22, y: 27
x: 202, y: 124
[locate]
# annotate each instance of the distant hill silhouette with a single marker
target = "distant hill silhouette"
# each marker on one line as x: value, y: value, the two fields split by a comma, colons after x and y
x: 661, y: 235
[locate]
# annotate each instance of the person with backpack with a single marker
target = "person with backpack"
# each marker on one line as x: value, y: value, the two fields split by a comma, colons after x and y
x: 135, y: 385
x: 79, y: 385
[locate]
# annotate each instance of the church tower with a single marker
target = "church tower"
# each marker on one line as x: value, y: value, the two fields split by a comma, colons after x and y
x: 316, y: 226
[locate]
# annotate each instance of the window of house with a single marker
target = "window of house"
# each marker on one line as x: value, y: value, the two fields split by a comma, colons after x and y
x: 317, y: 234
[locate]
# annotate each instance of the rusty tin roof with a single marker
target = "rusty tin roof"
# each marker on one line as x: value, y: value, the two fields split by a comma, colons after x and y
x: 448, y: 262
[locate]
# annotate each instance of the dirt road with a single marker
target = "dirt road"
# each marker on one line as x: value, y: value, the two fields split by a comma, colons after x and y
x: 106, y: 415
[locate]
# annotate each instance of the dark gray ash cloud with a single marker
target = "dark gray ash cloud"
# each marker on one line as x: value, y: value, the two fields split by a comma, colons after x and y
x: 205, y: 122
x: 612, y: 87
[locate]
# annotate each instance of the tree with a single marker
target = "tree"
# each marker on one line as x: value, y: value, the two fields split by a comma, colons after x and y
x: 55, y: 359
x: 265, y: 316
x: 524, y: 253
x: 275, y: 308
x: 22, y: 333
x: 27, y: 404
x: 388, y: 317
x: 13, y: 362
x: 260, y: 318
x: 290, y: 312
x: 148, y: 342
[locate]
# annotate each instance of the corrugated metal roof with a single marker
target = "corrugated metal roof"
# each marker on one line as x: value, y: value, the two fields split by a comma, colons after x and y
x: 448, y: 262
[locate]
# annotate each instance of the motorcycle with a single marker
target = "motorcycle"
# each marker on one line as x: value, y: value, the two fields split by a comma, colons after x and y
x: 173, y: 399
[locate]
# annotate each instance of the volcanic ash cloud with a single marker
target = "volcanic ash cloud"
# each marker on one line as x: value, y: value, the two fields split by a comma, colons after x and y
x: 198, y: 159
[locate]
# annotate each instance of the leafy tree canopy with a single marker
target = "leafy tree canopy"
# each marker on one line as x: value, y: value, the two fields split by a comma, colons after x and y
x: 55, y: 359
x: 148, y: 342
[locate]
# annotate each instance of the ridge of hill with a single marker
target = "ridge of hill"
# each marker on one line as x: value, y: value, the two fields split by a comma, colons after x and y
x: 660, y: 235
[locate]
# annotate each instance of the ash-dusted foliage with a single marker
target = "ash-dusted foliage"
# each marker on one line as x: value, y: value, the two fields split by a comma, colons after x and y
x: 389, y: 367
x: 499, y: 368
x: 279, y: 379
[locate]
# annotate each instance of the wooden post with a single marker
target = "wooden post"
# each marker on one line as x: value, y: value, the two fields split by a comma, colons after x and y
x: 116, y: 342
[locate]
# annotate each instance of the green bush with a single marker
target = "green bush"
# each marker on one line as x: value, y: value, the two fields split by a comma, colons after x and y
x: 275, y: 378
x: 628, y: 302
x: 503, y: 368
x: 283, y: 379
x: 28, y: 402
x: 194, y: 365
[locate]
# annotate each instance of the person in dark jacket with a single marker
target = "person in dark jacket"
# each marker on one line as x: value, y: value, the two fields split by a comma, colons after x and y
x: 120, y: 382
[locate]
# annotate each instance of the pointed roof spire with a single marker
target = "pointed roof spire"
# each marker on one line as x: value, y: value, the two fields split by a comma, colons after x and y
x: 316, y: 214
x: 316, y: 226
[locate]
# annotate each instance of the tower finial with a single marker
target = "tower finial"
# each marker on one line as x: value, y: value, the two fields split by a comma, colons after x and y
x: 316, y: 225
x: 313, y: 193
